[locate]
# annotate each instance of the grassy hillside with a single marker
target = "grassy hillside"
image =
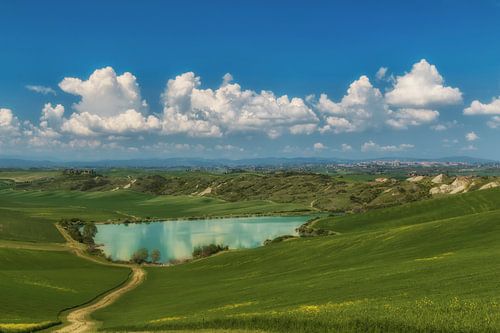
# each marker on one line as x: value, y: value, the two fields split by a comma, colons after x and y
x: 335, y: 193
x: 435, y: 272
x: 22, y: 226
x: 29, y: 215
x: 416, y: 213
x: 36, y: 285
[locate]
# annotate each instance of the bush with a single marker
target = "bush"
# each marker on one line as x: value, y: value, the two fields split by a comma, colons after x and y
x: 208, y: 250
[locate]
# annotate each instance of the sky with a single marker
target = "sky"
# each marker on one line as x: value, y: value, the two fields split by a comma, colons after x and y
x: 96, y: 80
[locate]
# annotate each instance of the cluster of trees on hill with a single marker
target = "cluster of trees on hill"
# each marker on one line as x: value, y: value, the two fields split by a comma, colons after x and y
x: 79, y: 230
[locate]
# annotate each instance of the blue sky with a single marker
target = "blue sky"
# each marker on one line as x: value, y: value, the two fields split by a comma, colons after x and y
x: 104, y: 68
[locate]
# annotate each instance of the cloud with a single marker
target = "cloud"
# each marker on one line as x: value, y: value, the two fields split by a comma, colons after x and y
x: 365, y: 107
x: 110, y: 104
x: 104, y: 93
x: 439, y: 127
x: 52, y: 116
x: 471, y: 136
x: 469, y: 148
x: 422, y: 87
x: 229, y: 148
x: 403, y: 118
x: 478, y: 108
x: 303, y: 129
x: 198, y: 112
x: 445, y: 126
x: 9, y: 124
x: 345, y: 147
x: 371, y: 146
x: 494, y: 122
x: 490, y: 109
x: 41, y: 89
x: 447, y: 143
x: 382, y: 71
x: 318, y: 146
x: 130, y: 121
x: 362, y: 107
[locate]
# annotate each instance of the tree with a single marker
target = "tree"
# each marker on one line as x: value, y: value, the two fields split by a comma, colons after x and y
x: 89, y: 232
x: 140, y: 256
x: 155, y: 255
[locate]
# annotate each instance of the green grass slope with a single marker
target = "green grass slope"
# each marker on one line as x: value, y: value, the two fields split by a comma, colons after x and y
x: 36, y: 285
x: 21, y: 226
x: 436, y: 273
x: 415, y: 213
x: 29, y: 215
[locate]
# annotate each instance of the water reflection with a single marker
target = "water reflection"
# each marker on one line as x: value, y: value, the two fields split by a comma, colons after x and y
x: 177, y: 239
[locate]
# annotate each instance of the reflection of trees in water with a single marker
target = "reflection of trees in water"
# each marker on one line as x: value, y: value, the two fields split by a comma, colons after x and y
x: 177, y: 239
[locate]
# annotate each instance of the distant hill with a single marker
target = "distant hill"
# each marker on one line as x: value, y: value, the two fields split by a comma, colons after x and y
x: 212, y: 163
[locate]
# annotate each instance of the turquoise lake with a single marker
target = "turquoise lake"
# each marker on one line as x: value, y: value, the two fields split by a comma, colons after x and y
x: 177, y: 239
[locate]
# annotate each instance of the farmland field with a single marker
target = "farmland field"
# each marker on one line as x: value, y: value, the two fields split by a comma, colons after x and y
x: 35, y: 285
x: 424, y: 266
x: 433, y: 272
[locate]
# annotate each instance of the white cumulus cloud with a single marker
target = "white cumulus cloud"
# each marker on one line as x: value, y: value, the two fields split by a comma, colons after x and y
x: 199, y: 112
x: 371, y: 146
x: 104, y: 93
x: 110, y: 104
x: 9, y: 123
x: 422, y: 87
x: 405, y: 117
x: 478, y: 108
x: 365, y: 107
x: 362, y: 107
x: 471, y: 136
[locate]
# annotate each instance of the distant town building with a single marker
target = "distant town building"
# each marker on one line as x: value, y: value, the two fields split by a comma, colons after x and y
x: 72, y: 171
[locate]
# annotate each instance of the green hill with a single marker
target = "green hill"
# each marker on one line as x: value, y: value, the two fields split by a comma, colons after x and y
x: 29, y: 215
x: 416, y: 213
x: 430, y: 266
x: 35, y: 285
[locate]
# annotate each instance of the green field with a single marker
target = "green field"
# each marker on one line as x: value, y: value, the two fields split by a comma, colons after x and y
x: 430, y: 266
x: 35, y: 285
x: 29, y: 215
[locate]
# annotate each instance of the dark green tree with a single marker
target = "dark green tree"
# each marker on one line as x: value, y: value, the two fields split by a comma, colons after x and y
x: 155, y: 256
x: 140, y: 256
x: 89, y: 232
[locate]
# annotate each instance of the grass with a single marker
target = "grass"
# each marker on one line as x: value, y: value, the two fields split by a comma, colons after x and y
x: 27, y: 176
x: 36, y: 285
x: 22, y: 226
x: 430, y: 266
x: 416, y: 213
x: 29, y: 215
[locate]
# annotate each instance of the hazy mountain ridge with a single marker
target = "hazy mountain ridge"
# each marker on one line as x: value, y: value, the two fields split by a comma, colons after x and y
x: 201, y: 162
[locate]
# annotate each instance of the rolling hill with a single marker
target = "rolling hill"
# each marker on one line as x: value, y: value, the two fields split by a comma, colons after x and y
x: 430, y: 266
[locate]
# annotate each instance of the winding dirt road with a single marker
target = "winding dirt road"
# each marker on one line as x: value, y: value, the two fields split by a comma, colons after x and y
x: 79, y: 319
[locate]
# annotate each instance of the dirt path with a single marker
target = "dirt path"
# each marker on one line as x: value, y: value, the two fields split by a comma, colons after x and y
x: 79, y: 319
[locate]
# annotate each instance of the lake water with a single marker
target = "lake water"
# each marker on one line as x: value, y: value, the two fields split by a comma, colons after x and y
x: 177, y: 239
